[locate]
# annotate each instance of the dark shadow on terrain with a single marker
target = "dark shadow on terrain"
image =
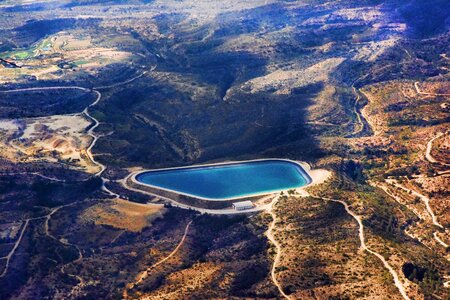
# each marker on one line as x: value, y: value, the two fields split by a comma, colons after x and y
x: 41, y: 103
x: 183, y: 132
x: 165, y: 127
x: 424, y: 18
x: 166, y: 122
x: 34, y: 30
x: 31, y: 197
x: 75, y: 3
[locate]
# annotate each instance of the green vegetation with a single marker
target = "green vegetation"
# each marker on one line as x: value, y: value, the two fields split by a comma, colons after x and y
x: 80, y: 62
x: 21, y: 55
x: 25, y: 53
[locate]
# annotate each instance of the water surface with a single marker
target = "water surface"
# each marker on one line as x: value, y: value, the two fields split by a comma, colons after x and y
x: 220, y: 182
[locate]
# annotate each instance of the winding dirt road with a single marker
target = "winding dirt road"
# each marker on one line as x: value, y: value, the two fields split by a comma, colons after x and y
x: 145, y: 273
x: 81, y: 281
x: 33, y: 173
x: 89, y: 153
x: 438, y: 239
x: 357, y: 113
x: 416, y: 86
x: 269, y: 208
x: 424, y: 199
x: 26, y: 222
x: 397, y: 282
x: 124, y: 82
x: 358, y: 219
x: 11, y: 253
x: 363, y: 124
x: 271, y: 237
x: 429, y: 156
x: 183, y: 238
x: 86, y: 113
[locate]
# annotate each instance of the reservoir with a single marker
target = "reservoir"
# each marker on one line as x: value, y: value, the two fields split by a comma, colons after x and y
x: 228, y: 180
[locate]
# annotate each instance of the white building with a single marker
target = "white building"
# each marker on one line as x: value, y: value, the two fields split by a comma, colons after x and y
x: 243, y: 205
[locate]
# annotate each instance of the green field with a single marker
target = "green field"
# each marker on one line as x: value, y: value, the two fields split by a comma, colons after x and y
x: 22, y: 54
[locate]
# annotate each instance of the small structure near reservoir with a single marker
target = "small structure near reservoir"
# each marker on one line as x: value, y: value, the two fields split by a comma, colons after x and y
x: 243, y: 205
x: 228, y: 181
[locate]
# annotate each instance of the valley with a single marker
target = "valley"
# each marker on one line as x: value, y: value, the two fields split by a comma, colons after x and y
x: 94, y: 93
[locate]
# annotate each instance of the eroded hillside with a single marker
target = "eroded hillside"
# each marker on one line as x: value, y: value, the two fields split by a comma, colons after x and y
x: 93, y: 91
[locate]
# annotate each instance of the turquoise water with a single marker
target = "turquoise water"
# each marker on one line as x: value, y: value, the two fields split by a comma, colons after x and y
x: 229, y: 181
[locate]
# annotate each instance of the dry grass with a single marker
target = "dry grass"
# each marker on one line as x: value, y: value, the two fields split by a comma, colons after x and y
x: 395, y: 112
x: 181, y: 284
x: 321, y: 255
x: 123, y: 214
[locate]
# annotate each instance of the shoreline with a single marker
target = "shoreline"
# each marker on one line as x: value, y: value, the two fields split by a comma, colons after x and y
x: 303, y: 167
